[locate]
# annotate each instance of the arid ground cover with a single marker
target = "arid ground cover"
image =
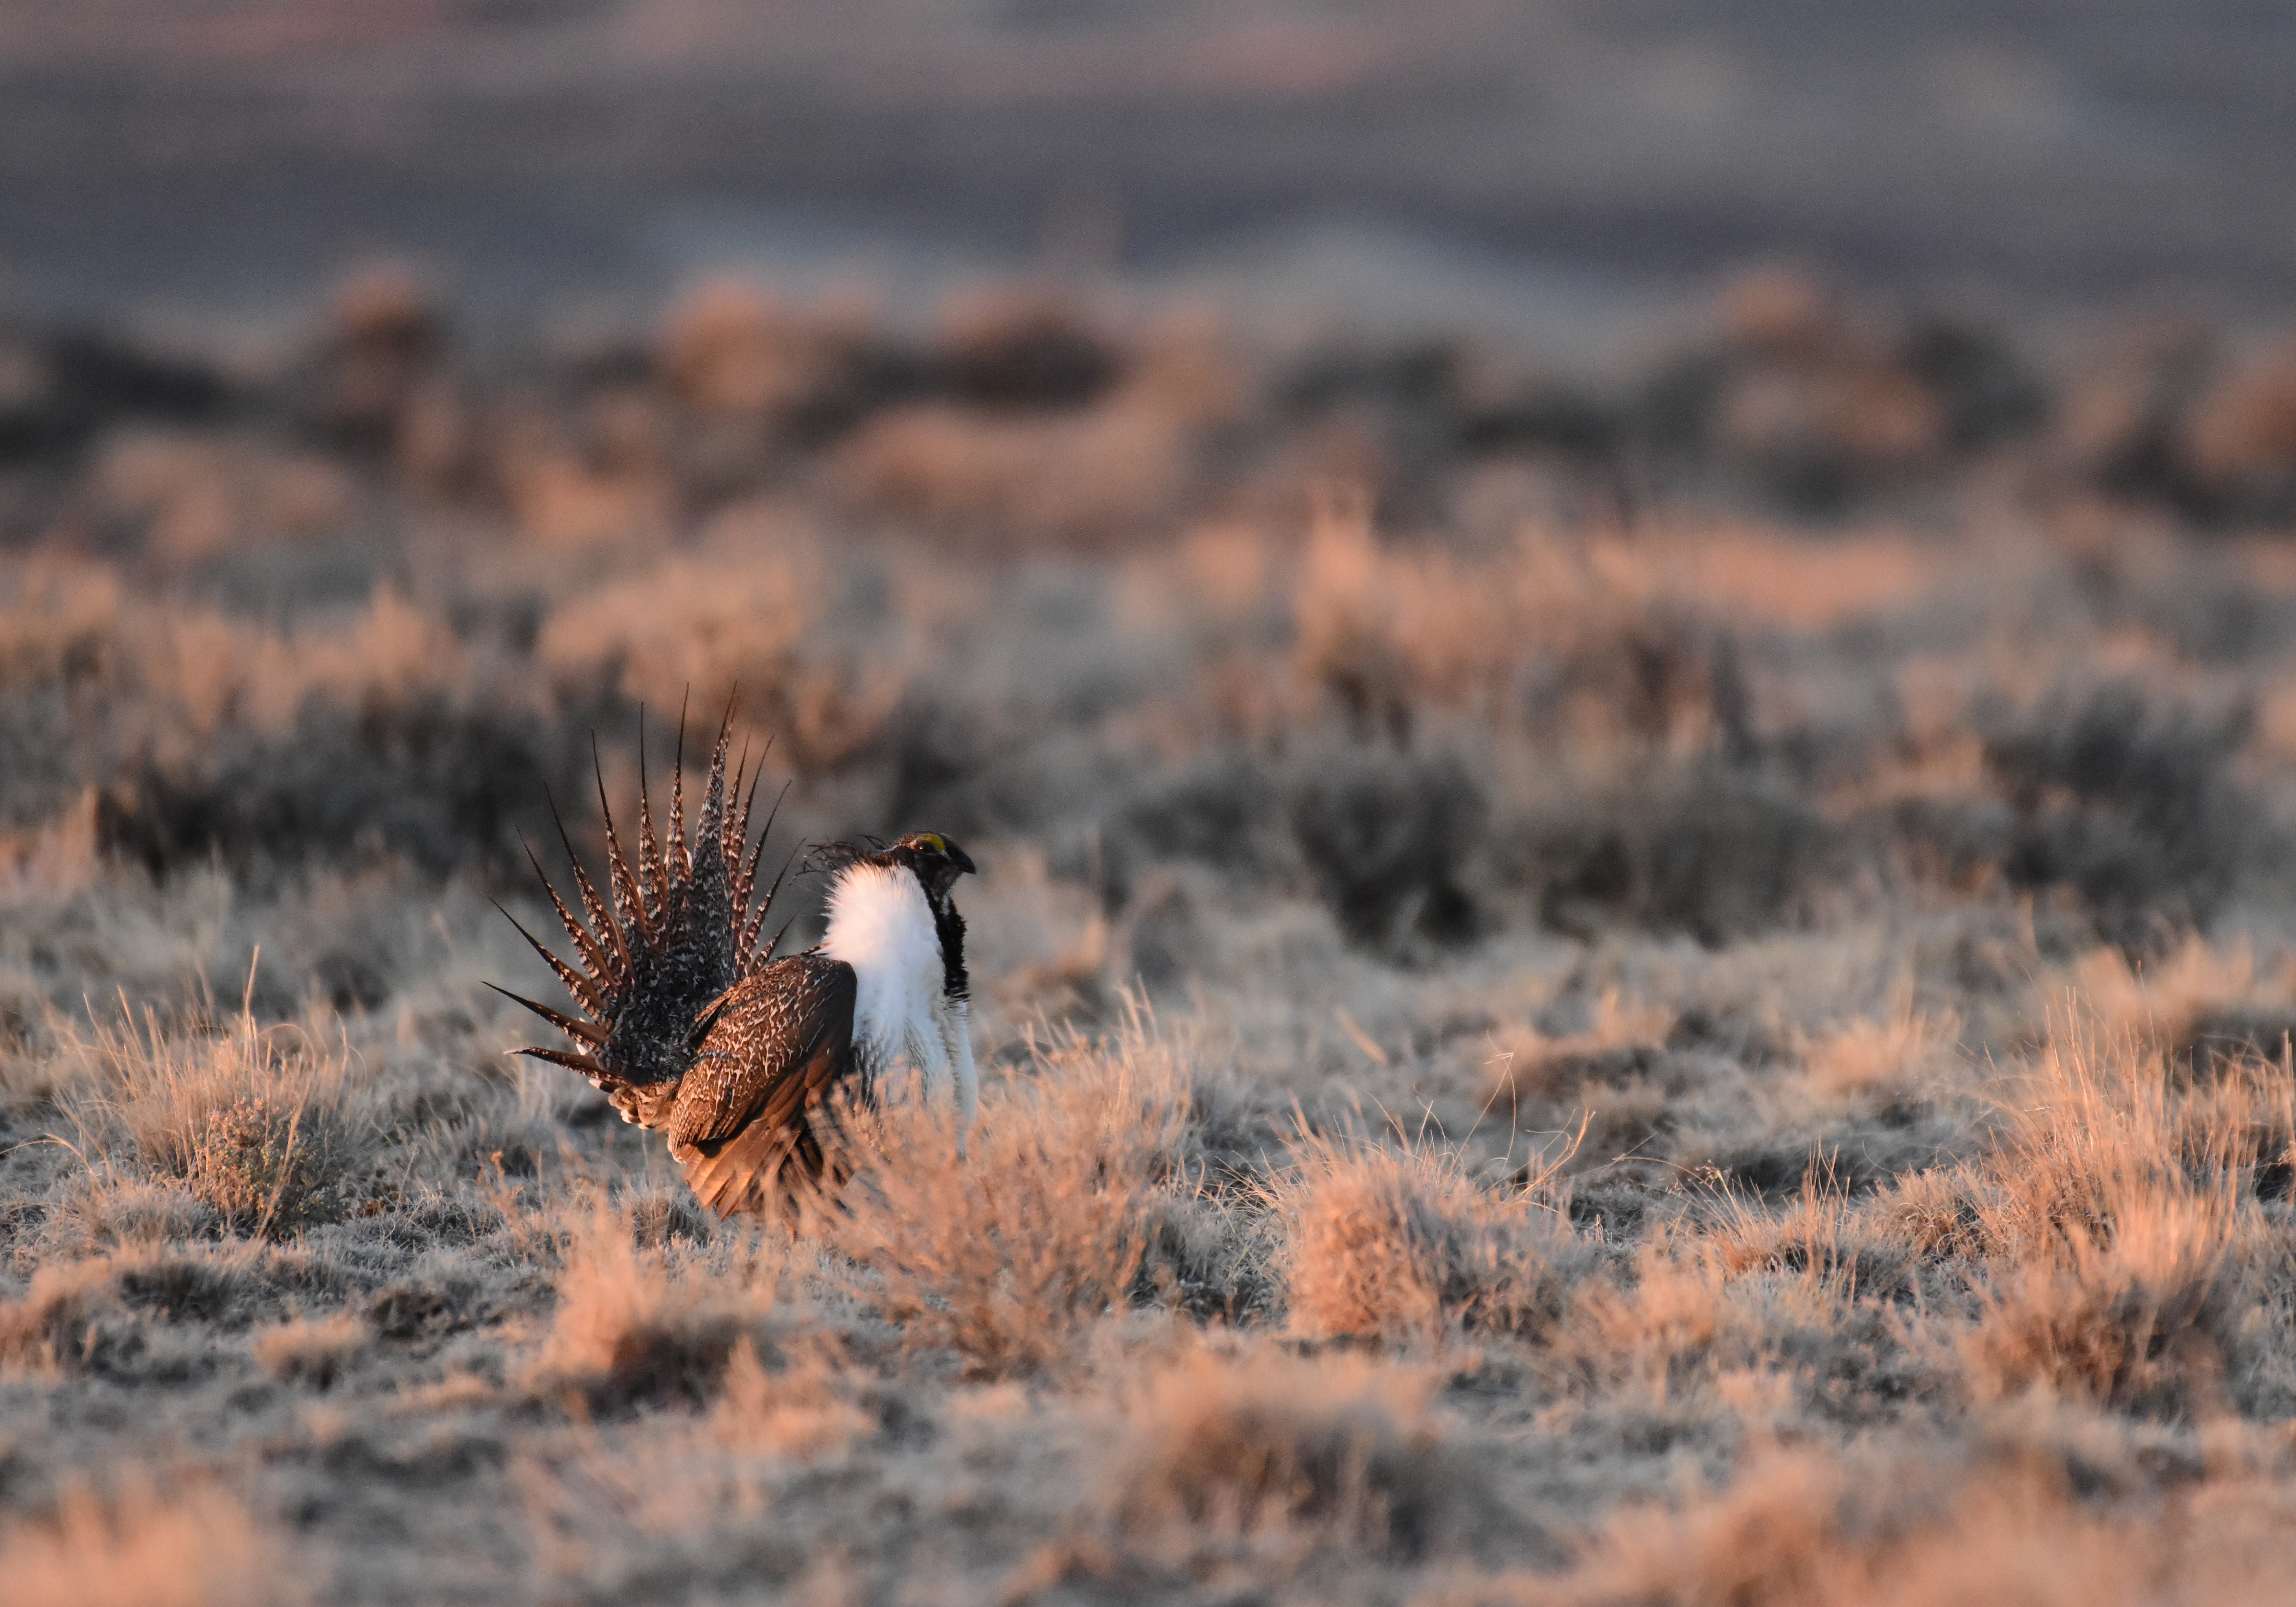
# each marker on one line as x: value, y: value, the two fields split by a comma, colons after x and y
x: 1667, y: 991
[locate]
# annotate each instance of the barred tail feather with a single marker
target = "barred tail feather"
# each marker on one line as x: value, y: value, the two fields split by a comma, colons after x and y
x: 653, y: 874
x: 573, y: 1026
x: 678, y: 926
x: 594, y: 907
x: 583, y: 1064
x: 584, y: 988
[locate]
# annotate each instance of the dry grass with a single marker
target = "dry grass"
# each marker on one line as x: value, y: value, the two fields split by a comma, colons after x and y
x: 317, y: 1351
x: 1400, y: 1245
x: 1007, y: 1255
x: 1830, y: 975
x: 143, y: 1548
x: 250, y: 1119
x: 2119, y: 1238
x: 1800, y: 1530
x: 643, y: 1323
x: 1332, y: 1451
x: 50, y: 1324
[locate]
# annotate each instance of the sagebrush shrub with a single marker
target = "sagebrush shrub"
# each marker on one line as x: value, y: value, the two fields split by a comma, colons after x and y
x: 1709, y: 849
x: 2130, y: 801
x: 1006, y: 1252
x: 254, y: 1122
x: 1387, y: 840
x: 266, y: 1165
x: 1338, y: 1448
x: 1401, y: 1246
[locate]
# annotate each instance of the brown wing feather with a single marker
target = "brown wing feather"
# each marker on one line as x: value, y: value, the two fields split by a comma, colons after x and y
x: 779, y: 1043
x: 757, y: 1171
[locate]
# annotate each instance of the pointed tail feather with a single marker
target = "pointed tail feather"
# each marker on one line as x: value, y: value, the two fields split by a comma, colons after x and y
x: 594, y: 907
x: 680, y: 858
x: 673, y: 931
x: 654, y: 876
x: 583, y: 1064
x: 583, y: 988
x: 622, y: 884
x: 587, y: 1031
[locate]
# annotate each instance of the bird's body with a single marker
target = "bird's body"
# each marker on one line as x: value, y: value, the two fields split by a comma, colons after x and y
x: 743, y: 1061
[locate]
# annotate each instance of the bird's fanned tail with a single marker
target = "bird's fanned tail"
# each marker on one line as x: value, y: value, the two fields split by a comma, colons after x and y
x: 679, y: 924
x: 748, y: 1064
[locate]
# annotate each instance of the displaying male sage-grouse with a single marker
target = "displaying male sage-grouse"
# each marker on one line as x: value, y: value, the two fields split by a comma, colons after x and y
x: 691, y: 1027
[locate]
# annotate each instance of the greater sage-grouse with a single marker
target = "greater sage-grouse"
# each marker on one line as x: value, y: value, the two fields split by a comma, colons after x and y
x: 691, y: 1027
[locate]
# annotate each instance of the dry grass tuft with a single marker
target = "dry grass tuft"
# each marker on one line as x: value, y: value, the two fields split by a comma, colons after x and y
x: 1803, y: 1529
x: 2102, y: 1141
x: 1819, y: 1235
x: 1895, y: 1056
x: 193, y: 1548
x: 2108, y: 1236
x: 147, y: 1311
x: 316, y: 1352
x: 727, y: 349
x: 2121, y: 1235
x: 1402, y: 1246
x: 1338, y: 1448
x: 251, y: 1119
x: 627, y: 1508
x: 1004, y: 1254
x: 1676, y: 1317
x: 806, y: 1410
x: 637, y: 1323
x: 2140, y: 1324
x: 51, y: 1324
x: 1619, y: 1040
x: 2205, y: 1006
x: 1093, y: 476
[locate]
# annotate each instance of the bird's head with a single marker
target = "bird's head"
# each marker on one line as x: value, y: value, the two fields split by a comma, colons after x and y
x: 937, y: 861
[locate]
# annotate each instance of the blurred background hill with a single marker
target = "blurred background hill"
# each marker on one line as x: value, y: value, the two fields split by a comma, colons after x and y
x: 1579, y: 162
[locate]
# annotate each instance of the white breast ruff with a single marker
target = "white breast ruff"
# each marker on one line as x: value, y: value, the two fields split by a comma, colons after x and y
x: 905, y: 1027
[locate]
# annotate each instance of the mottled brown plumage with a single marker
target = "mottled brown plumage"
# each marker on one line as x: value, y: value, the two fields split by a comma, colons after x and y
x: 688, y: 1023
x: 756, y: 1102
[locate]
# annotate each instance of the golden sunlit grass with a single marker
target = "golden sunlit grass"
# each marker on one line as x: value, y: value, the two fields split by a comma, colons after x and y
x: 143, y: 1548
x: 313, y: 1350
x: 1007, y: 1255
x: 1802, y: 1530
x: 1402, y: 1246
x: 1337, y: 1450
x: 637, y: 1321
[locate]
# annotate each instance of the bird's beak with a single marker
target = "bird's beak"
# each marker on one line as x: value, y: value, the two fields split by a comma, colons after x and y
x: 962, y: 860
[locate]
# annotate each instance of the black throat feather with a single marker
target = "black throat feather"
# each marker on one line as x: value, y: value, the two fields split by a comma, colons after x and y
x: 949, y: 927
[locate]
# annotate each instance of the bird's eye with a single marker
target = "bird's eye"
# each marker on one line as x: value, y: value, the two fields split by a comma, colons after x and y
x: 935, y: 841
